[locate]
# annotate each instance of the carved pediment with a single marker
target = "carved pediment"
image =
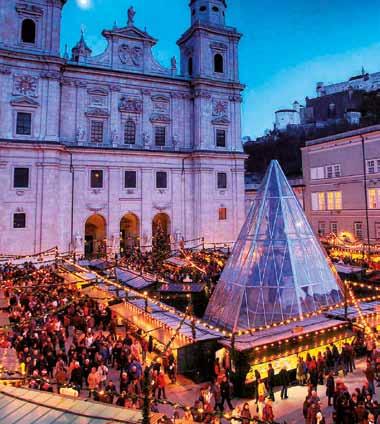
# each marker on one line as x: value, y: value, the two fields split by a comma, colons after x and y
x: 160, y: 117
x: 161, y: 206
x: 94, y: 207
x: 97, y: 113
x: 218, y: 46
x: 97, y: 91
x: 223, y: 120
x: 160, y: 98
x: 130, y: 32
x: 26, y: 9
x: 24, y: 102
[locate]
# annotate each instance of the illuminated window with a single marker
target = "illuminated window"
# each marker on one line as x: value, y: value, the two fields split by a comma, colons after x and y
x: 338, y: 200
x: 321, y: 202
x: 222, y: 214
x: 334, y: 200
x: 96, y: 178
x: 373, y: 198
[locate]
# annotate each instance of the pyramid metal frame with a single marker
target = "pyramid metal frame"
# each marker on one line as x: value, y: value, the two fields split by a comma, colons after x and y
x: 277, y: 270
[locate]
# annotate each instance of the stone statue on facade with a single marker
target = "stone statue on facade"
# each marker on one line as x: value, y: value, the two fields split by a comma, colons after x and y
x: 115, y: 243
x: 115, y: 137
x: 146, y: 139
x: 175, y: 141
x: 131, y: 16
x: 80, y: 135
x: 173, y: 65
x: 78, y: 243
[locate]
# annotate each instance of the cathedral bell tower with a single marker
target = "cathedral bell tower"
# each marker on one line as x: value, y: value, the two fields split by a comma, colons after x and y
x: 209, y: 48
x: 31, y: 26
x: 209, y: 59
x: 212, y: 12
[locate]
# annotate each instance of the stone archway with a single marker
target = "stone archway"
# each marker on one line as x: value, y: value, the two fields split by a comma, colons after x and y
x: 129, y: 231
x: 161, y: 220
x: 95, y: 236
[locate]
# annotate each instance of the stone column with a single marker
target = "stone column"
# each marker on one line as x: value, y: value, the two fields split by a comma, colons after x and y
x: 113, y: 227
x: 80, y: 118
x: 51, y: 105
x: 146, y: 125
x: 146, y: 206
x: 7, y: 120
x: 115, y: 123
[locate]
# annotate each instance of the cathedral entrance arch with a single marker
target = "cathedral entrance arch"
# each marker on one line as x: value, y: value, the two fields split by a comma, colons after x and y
x: 129, y: 231
x: 161, y: 222
x: 95, y: 236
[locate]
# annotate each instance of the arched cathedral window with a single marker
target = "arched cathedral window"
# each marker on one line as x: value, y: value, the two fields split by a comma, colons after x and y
x: 28, y: 31
x: 130, y: 132
x: 218, y: 63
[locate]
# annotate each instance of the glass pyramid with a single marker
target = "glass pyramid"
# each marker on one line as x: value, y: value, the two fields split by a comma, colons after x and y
x: 277, y: 269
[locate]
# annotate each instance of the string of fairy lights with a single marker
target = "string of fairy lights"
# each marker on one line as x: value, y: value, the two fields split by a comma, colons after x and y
x: 352, y: 300
x: 200, y: 322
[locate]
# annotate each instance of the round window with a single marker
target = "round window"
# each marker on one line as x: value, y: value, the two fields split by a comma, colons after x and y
x: 215, y: 9
x: 203, y: 9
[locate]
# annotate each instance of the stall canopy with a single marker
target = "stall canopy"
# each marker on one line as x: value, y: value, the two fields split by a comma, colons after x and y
x: 23, y: 406
x: 177, y: 262
x: 136, y: 281
x: 277, y: 269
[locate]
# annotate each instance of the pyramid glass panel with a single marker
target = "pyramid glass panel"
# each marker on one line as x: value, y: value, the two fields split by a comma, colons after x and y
x: 277, y: 269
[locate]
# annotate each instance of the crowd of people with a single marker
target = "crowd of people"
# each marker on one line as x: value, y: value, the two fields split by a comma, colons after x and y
x: 65, y: 340
x: 200, y: 266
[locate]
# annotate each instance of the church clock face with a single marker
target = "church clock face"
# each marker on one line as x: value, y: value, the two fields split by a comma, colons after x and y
x: 26, y: 86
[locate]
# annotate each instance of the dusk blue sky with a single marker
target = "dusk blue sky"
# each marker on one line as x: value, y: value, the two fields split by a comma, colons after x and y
x: 287, y: 45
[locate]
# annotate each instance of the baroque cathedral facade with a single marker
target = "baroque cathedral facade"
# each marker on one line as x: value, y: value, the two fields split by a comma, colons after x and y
x: 100, y: 150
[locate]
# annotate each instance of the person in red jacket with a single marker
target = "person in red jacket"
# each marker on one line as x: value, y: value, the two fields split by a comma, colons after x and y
x: 268, y: 414
x: 161, y: 384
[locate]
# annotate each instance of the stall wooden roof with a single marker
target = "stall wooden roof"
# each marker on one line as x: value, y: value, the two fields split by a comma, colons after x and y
x: 283, y: 332
x: 136, y: 281
x: 158, y: 322
x: 24, y: 406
